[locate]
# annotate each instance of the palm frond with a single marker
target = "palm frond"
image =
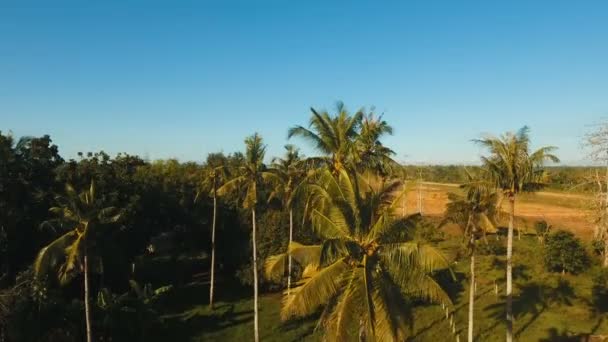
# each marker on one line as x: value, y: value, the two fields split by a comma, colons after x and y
x: 275, y: 266
x: 53, y: 254
x: 415, y: 255
x: 315, y: 291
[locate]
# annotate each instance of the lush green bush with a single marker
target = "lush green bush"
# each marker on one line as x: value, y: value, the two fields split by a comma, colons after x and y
x: 492, y: 247
x: 563, y: 252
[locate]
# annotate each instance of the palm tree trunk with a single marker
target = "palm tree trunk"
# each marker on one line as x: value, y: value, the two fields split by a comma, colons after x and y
x: 255, y: 280
x: 404, y: 200
x: 87, y: 309
x: 509, y: 269
x: 605, y: 251
x: 213, y: 245
x: 604, y: 221
x: 289, y: 254
x: 471, y: 297
x: 361, y: 330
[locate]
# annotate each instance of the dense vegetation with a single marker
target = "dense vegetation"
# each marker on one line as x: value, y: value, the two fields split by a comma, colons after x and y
x: 109, y: 248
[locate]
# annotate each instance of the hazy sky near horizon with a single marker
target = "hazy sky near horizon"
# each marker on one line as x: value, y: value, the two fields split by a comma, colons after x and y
x: 163, y: 80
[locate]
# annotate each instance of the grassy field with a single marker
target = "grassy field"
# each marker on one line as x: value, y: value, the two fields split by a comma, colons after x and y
x: 547, y: 306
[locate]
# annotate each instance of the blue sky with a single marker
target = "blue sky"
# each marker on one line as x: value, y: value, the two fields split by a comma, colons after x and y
x: 162, y: 80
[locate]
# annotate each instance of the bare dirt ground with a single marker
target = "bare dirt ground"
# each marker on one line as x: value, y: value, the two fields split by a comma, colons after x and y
x: 561, y: 209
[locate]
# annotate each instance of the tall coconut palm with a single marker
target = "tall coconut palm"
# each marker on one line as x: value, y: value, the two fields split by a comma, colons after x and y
x: 70, y: 253
x: 249, y: 177
x: 514, y: 169
x: 474, y: 213
x: 332, y: 135
x: 367, y: 269
x: 213, y: 176
x: 371, y: 154
x: 290, y: 171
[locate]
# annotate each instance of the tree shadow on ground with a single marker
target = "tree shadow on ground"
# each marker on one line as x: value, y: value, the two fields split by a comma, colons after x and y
x: 296, y: 323
x: 519, y: 271
x: 190, y: 322
x: 453, y: 286
x: 555, y: 335
x: 533, y: 299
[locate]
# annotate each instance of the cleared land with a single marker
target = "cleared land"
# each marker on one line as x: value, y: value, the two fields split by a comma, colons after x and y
x: 563, y: 210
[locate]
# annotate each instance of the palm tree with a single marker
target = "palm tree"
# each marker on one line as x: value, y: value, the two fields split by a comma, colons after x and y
x: 371, y: 154
x: 212, y: 178
x: 250, y: 176
x: 514, y: 169
x: 474, y: 213
x: 367, y: 269
x: 334, y: 136
x: 290, y: 172
x: 71, y: 251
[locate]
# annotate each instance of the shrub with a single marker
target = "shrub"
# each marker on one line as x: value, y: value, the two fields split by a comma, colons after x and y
x: 599, y: 291
x: 563, y: 252
x: 542, y: 229
x: 597, y: 246
x: 426, y: 230
x: 493, y: 247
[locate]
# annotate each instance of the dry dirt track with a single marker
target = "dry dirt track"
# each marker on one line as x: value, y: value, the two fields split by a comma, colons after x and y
x: 562, y: 210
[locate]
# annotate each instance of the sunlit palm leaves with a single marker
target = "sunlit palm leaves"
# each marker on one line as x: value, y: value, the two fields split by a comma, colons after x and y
x: 333, y: 136
x: 511, y: 165
x: 366, y: 271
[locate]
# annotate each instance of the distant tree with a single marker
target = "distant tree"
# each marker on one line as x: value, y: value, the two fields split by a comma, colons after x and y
x: 70, y: 252
x: 249, y: 177
x: 542, y: 229
x: 291, y: 174
x: 371, y: 154
x: 565, y: 253
x: 214, y: 174
x: 514, y: 169
x: 474, y: 213
x: 367, y: 270
x: 597, y: 143
x: 27, y: 185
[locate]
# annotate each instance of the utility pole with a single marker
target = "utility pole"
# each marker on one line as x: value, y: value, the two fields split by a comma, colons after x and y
x: 404, y: 189
x: 420, y: 199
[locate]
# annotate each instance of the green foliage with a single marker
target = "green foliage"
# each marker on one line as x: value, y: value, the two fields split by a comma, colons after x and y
x: 491, y: 247
x: 597, y: 246
x: 542, y: 229
x: 512, y: 166
x: 130, y: 316
x: 426, y: 230
x: 366, y: 272
x: 26, y: 188
x: 563, y: 252
x: 599, y: 291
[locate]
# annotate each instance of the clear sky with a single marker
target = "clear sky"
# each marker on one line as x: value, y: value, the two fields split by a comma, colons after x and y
x: 165, y: 80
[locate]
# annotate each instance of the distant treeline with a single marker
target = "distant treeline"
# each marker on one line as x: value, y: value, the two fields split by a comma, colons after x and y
x: 569, y: 178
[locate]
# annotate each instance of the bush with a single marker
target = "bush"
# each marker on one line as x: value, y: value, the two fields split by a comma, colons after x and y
x: 599, y: 291
x: 542, y: 229
x: 598, y: 247
x: 493, y: 247
x: 563, y: 252
x: 427, y: 231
